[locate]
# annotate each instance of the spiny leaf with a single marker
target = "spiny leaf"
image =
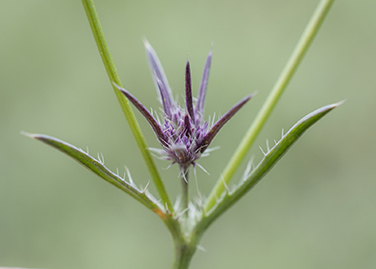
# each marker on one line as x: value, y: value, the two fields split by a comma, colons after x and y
x: 270, y: 159
x: 97, y: 167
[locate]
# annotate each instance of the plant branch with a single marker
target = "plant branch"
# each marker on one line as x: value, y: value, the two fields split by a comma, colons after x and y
x: 260, y: 120
x: 108, y: 62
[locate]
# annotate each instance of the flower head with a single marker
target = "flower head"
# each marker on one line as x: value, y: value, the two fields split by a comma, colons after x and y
x: 183, y: 134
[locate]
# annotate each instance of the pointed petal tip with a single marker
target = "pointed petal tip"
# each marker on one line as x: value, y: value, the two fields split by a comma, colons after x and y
x: 221, y: 122
x: 254, y: 93
x: 247, y: 98
x: 123, y: 91
x: 210, y: 54
x: 146, y: 43
x: 147, y: 115
x: 126, y: 94
x: 117, y: 86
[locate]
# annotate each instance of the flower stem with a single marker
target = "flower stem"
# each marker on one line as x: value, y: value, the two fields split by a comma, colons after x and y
x: 185, y: 189
x: 284, y: 78
x: 185, y: 248
x: 183, y: 256
x: 108, y: 62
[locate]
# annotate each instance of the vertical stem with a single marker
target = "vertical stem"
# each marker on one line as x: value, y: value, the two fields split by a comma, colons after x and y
x: 185, y: 248
x: 183, y: 257
x: 185, y: 189
x: 290, y: 68
x: 109, y: 64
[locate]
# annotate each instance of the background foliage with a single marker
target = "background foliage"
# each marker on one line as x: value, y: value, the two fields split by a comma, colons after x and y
x: 316, y: 209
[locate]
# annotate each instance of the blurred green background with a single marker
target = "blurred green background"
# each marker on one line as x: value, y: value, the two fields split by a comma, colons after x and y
x: 315, y: 209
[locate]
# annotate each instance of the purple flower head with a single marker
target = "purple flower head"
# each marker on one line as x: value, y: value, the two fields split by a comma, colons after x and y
x: 183, y: 134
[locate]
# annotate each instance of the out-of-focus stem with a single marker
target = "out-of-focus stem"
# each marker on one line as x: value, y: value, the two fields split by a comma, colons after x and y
x: 284, y: 78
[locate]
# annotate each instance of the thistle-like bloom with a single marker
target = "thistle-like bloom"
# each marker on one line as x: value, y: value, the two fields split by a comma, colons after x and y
x: 184, y: 135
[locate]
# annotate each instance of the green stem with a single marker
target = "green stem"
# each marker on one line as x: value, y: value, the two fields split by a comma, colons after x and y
x: 185, y: 189
x: 108, y: 62
x: 185, y: 248
x: 284, y: 78
x: 183, y: 257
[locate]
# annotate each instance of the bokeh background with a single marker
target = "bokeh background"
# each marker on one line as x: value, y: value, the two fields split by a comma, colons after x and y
x: 315, y: 209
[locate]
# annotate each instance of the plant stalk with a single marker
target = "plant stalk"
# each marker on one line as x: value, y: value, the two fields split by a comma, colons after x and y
x: 113, y: 76
x: 185, y: 248
x: 185, y: 190
x: 183, y: 256
x: 260, y: 120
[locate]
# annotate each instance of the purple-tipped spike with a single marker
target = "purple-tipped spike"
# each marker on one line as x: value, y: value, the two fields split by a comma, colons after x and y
x: 187, y: 126
x: 184, y: 135
x: 158, y: 73
x: 148, y: 116
x: 204, y: 84
x: 165, y: 100
x: 204, y: 143
x: 188, y: 92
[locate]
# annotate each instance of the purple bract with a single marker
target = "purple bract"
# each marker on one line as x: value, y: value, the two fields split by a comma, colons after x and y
x: 184, y: 135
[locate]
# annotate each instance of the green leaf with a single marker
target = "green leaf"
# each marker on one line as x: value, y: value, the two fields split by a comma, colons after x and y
x: 97, y: 167
x: 271, y: 157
